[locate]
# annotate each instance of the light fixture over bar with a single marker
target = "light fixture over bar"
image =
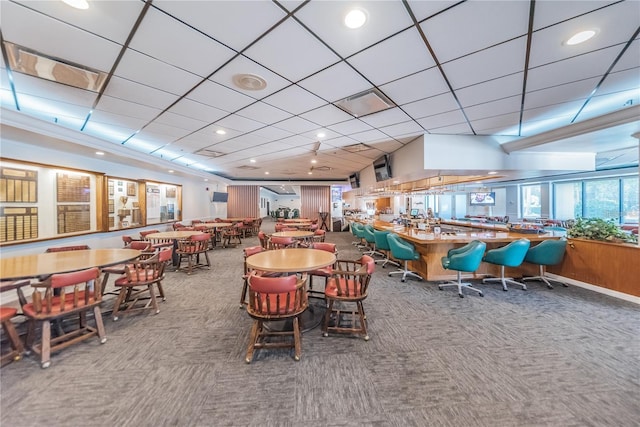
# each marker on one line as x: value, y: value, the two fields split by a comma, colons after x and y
x: 28, y: 61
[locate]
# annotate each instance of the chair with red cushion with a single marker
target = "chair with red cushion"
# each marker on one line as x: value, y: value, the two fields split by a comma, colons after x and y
x: 231, y: 236
x: 264, y: 239
x: 273, y: 299
x: 79, y: 293
x: 140, y: 245
x: 247, y: 252
x: 138, y: 280
x: 6, y: 314
x: 191, y: 249
x: 348, y: 284
x: 276, y: 242
x: 325, y: 272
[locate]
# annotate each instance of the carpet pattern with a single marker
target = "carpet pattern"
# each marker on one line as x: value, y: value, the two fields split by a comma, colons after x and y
x: 541, y: 357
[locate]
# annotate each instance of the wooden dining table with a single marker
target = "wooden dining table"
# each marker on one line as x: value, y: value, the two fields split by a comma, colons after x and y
x: 215, y: 226
x: 173, y: 236
x: 45, y: 264
x: 303, y: 235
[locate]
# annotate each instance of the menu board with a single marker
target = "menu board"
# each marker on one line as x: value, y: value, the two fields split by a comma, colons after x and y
x: 18, y: 223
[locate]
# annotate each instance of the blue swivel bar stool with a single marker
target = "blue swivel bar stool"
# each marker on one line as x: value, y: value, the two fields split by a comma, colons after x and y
x: 383, y: 246
x: 403, y: 251
x: 548, y: 252
x: 510, y: 255
x: 370, y: 238
x: 466, y: 258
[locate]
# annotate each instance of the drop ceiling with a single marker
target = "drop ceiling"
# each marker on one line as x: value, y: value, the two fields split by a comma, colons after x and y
x: 462, y: 68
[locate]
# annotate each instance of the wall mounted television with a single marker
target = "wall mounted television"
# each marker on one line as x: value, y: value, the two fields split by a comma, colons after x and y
x: 354, y: 180
x: 382, y: 168
x: 486, y: 198
x: 220, y: 197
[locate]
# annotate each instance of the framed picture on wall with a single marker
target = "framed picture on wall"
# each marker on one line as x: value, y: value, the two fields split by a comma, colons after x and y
x: 170, y: 192
x: 131, y: 189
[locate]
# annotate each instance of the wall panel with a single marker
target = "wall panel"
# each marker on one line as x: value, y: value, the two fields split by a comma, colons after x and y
x: 244, y: 201
x: 315, y: 199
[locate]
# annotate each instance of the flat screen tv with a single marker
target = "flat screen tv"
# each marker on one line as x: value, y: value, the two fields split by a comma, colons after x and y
x: 354, y: 180
x: 486, y: 198
x: 414, y: 212
x: 220, y: 197
x: 382, y: 168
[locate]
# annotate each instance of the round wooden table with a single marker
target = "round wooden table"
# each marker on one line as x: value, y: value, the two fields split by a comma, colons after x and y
x: 37, y: 265
x: 298, y: 224
x: 298, y: 234
x: 216, y: 229
x: 174, y: 236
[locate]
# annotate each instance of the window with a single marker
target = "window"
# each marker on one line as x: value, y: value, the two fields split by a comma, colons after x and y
x: 531, y: 203
x: 567, y: 200
x: 630, y: 200
x: 602, y: 199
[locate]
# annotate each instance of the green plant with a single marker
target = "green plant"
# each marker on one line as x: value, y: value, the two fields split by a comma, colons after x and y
x: 600, y: 229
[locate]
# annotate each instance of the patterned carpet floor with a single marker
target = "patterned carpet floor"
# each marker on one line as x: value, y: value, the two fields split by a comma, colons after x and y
x: 541, y: 357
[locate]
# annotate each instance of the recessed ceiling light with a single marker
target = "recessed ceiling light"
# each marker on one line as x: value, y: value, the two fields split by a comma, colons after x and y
x: 221, y: 132
x: 266, y: 173
x: 314, y: 161
x: 100, y: 153
x: 78, y: 4
x: 581, y: 37
x: 320, y: 135
x: 170, y: 170
x: 249, y: 81
x: 206, y: 179
x: 310, y: 173
x: 252, y: 160
x: 492, y: 173
x: 355, y: 19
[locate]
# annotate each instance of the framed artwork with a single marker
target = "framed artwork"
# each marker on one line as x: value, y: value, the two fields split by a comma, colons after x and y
x: 110, y: 188
x: 170, y: 192
x: 131, y: 189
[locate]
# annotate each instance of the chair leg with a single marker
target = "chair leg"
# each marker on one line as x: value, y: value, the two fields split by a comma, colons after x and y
x: 504, y: 280
x: 460, y: 285
x: 243, y: 294
x: 154, y: 302
x: 118, y: 303
x: 296, y: 339
x: 14, y: 340
x: 405, y: 272
x: 542, y: 278
x: 253, y: 338
x: 363, y: 320
x: 99, y: 324
x: 45, y: 345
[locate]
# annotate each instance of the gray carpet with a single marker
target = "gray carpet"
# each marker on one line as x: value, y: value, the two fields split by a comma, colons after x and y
x: 561, y: 357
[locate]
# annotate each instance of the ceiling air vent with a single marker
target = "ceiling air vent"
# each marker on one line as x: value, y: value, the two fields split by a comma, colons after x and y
x: 356, y: 148
x: 209, y: 153
x: 248, y: 168
x: 364, y: 103
x: 28, y: 61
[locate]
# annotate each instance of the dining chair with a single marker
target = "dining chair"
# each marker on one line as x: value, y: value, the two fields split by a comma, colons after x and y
x: 247, y: 252
x: 276, y: 242
x: 370, y: 238
x: 273, y: 299
x: 17, y: 348
x: 466, y: 258
x: 511, y: 255
x: 80, y: 293
x: 264, y: 239
x: 231, y: 236
x: 382, y: 245
x: 348, y: 284
x: 545, y: 253
x: 405, y: 252
x: 325, y: 272
x: 138, y: 280
x: 191, y: 248
x: 147, y: 251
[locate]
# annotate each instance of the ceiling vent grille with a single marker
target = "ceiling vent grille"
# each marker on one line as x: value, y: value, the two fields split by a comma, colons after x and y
x: 356, y: 148
x: 364, y: 103
x: 28, y: 61
x: 248, y: 168
x: 209, y: 153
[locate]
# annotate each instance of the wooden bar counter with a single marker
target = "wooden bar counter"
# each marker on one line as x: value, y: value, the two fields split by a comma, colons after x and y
x: 432, y: 249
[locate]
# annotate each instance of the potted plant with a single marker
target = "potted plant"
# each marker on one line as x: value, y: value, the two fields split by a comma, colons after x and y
x: 600, y: 229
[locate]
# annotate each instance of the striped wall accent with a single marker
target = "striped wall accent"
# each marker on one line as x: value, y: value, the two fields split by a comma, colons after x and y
x: 244, y: 201
x: 315, y: 199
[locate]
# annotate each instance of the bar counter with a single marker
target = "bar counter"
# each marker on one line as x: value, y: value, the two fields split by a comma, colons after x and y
x: 432, y: 248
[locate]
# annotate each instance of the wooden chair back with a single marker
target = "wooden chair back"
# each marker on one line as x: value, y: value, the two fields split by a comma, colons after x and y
x: 282, y: 242
x: 275, y: 298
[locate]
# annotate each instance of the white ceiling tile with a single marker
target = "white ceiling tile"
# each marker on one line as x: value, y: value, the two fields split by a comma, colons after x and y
x: 105, y: 118
x: 336, y: 82
x: 147, y: 142
x: 630, y: 58
x: 197, y: 110
x: 296, y: 125
x: 313, y: 135
x: 478, y: 24
x: 498, y: 107
x: 127, y: 108
x: 386, y: 118
x: 350, y: 127
x: 223, y: 19
x: 239, y: 123
x: 611, y: 102
x: 551, y: 12
x: 616, y: 24
x: 403, y: 129
x: 295, y: 100
x: 367, y: 136
x: 496, y: 124
x: 170, y: 41
x: 220, y: 97
x: 109, y: 132
x: 242, y: 65
x: 560, y: 94
x: 167, y: 131
x: 272, y: 133
x: 620, y: 82
x: 441, y: 120
x: 431, y: 106
x: 47, y: 89
x: 144, y: 69
x: 488, y: 64
x: 416, y: 86
x: 455, y: 129
x: 424, y: 9
x: 393, y: 58
x: 291, y: 51
x: 562, y: 112
x: 139, y: 93
x: 58, y: 39
x: 326, y: 20
x: 263, y: 113
x: 180, y: 122
x: 571, y: 69
x: 326, y: 115
x: 503, y: 87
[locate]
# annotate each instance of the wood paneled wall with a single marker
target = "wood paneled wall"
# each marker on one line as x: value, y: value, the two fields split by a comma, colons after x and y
x: 315, y: 199
x: 244, y: 201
